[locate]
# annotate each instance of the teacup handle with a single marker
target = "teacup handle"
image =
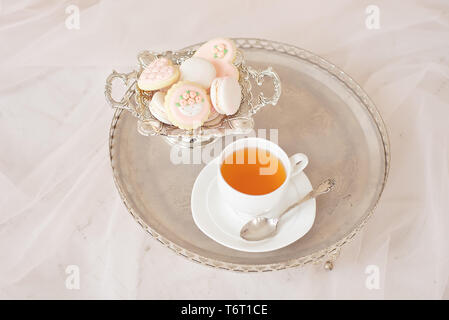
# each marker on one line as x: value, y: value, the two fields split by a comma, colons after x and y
x: 298, y: 162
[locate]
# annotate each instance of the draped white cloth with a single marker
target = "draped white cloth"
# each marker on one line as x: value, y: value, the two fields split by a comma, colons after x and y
x: 58, y: 203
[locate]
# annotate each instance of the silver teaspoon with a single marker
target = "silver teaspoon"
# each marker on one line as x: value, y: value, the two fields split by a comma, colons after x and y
x: 261, y: 227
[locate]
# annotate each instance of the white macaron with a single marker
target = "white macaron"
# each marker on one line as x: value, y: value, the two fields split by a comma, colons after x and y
x: 226, y: 95
x: 198, y: 70
x: 157, y: 107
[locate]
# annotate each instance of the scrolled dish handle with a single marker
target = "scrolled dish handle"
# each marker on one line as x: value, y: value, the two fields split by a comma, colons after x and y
x: 261, y: 100
x: 128, y: 79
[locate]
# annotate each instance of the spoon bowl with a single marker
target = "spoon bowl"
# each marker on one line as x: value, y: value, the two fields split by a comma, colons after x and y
x: 259, y: 228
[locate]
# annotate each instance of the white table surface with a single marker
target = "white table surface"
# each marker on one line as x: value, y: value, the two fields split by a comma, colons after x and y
x: 58, y: 203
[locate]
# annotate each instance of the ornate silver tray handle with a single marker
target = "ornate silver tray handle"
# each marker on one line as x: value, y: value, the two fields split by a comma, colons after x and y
x: 137, y: 101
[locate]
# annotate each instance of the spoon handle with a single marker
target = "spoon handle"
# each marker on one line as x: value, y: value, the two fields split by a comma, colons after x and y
x: 323, y: 187
x: 307, y: 197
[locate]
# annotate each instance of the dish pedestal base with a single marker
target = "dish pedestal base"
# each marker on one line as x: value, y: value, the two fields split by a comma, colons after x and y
x: 190, y: 143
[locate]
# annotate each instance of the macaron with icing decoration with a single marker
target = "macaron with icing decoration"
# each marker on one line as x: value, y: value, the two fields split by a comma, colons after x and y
x: 221, y: 52
x: 198, y: 70
x: 226, y: 95
x: 160, y: 73
x: 157, y: 107
x: 220, y: 49
x: 187, y: 105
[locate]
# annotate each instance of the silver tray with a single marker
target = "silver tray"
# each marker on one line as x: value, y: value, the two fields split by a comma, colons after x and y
x: 322, y: 112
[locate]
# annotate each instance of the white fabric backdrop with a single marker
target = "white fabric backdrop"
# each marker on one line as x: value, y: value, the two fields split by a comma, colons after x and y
x: 58, y: 203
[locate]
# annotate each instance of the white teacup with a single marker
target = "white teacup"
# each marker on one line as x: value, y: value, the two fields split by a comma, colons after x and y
x: 254, y: 205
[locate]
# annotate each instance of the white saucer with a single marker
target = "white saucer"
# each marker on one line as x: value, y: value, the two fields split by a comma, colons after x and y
x: 220, y: 223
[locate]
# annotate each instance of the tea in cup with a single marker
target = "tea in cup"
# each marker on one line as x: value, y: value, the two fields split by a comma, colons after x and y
x: 254, y: 173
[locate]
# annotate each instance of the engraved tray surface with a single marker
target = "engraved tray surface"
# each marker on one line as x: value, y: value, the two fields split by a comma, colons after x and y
x: 322, y: 112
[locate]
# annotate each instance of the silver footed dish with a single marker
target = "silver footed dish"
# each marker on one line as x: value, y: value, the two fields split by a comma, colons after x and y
x: 136, y: 101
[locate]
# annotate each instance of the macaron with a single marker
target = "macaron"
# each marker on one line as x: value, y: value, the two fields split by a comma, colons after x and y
x: 221, y: 52
x: 157, y: 107
x: 198, y: 70
x: 226, y: 69
x: 187, y: 105
x: 158, y: 74
x: 226, y: 95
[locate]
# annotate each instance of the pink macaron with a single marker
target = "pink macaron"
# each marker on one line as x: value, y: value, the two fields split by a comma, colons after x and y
x: 226, y: 95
